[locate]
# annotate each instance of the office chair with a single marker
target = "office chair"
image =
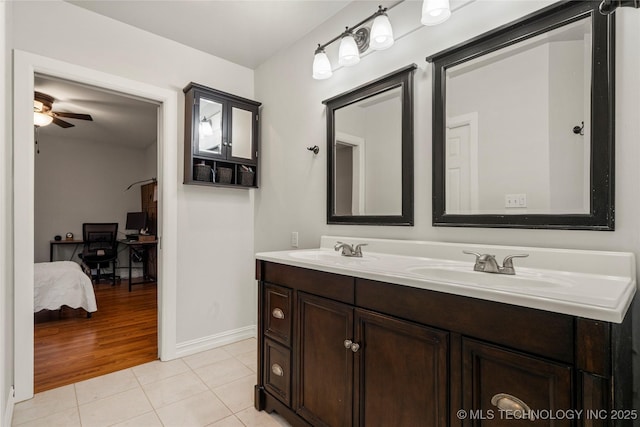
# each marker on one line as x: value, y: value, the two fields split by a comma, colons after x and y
x: 100, y: 247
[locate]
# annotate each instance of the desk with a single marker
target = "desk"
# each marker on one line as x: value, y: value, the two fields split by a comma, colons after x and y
x: 141, y: 248
x: 53, y: 243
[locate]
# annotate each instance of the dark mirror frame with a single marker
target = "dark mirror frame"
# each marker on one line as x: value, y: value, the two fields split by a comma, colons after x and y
x: 601, y: 215
x: 402, y: 78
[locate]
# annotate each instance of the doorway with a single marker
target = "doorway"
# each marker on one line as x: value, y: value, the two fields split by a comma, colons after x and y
x: 99, y: 168
x: 26, y: 66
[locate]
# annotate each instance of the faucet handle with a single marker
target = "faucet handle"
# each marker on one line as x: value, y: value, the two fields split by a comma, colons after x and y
x: 358, y: 249
x: 508, y: 260
x: 473, y: 253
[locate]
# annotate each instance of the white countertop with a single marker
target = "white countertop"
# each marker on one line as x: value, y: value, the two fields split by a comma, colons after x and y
x: 592, y: 284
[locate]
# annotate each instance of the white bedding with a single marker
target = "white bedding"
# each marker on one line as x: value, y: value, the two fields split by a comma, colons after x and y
x: 62, y: 283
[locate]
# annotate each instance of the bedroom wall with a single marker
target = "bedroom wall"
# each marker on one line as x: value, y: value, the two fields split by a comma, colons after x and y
x: 215, y: 289
x: 294, y: 118
x: 79, y: 181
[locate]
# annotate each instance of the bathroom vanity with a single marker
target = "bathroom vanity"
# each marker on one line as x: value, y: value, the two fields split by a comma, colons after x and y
x: 410, y: 335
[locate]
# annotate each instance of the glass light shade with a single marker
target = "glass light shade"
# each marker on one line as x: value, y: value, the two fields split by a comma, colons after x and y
x: 41, y: 119
x: 205, y: 127
x: 321, y: 66
x: 381, y: 36
x: 435, y: 12
x: 348, y: 52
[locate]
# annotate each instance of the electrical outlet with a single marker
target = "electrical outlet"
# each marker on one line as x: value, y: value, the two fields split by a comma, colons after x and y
x: 515, y: 201
x: 294, y: 239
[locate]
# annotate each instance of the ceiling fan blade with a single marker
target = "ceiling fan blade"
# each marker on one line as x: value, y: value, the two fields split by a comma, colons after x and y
x: 73, y: 116
x: 62, y: 123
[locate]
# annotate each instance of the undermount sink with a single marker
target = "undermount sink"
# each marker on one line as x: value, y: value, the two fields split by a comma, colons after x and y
x: 522, y: 280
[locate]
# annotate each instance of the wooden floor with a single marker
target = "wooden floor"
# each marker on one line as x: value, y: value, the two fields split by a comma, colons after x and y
x: 123, y: 333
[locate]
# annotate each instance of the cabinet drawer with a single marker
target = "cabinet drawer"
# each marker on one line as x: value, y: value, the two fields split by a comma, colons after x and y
x: 277, y: 371
x: 496, y: 380
x: 277, y: 313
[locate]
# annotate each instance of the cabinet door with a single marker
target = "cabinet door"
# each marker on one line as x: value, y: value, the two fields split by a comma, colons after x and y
x: 243, y: 133
x: 401, y: 373
x: 495, y: 381
x: 325, y: 365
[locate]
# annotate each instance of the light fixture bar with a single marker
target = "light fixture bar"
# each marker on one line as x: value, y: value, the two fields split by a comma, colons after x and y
x: 359, y: 24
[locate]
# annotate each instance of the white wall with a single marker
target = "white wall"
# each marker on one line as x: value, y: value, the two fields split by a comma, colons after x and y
x: 215, y: 289
x: 6, y: 207
x: 294, y: 118
x: 78, y: 181
x: 566, y: 149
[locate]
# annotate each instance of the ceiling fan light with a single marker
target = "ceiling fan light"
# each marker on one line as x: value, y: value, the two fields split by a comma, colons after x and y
x: 381, y: 33
x: 37, y: 105
x: 41, y: 119
x: 435, y: 12
x: 348, y: 53
x: 321, y: 65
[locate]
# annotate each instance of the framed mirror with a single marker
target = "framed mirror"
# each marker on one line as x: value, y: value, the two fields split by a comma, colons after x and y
x: 370, y: 152
x: 523, y: 129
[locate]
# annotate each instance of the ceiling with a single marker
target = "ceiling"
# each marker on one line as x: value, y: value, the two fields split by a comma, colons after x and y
x: 117, y: 119
x: 245, y: 32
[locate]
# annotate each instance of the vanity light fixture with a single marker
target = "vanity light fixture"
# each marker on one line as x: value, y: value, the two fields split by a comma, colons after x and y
x: 321, y: 65
x: 353, y: 44
x: 435, y: 12
x: 381, y: 32
x: 379, y: 37
x: 348, y: 53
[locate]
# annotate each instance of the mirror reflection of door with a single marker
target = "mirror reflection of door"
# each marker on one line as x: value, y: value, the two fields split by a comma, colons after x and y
x: 210, y: 127
x: 461, y: 183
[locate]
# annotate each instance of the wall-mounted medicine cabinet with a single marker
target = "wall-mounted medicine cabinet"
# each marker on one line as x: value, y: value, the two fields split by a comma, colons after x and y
x: 221, y: 138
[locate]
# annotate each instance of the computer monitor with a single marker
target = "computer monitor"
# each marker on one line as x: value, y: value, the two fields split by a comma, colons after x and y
x: 136, y: 221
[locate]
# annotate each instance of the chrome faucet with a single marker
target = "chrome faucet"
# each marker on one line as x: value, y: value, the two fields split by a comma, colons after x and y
x: 488, y: 264
x: 348, y: 250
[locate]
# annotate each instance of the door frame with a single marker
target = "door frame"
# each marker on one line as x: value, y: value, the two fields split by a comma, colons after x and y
x: 25, y: 66
x: 358, y: 170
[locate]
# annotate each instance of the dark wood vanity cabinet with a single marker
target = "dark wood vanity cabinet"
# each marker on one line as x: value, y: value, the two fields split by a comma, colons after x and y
x: 336, y: 350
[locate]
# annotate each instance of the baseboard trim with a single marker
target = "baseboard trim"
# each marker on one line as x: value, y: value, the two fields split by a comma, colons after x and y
x: 188, y: 348
x: 11, y: 401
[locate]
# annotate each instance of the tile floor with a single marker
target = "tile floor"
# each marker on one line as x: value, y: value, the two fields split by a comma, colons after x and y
x: 212, y: 388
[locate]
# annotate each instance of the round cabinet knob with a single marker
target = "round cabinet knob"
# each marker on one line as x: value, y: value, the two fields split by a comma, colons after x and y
x: 355, y: 347
x: 507, y: 402
x: 278, y: 313
x: 277, y: 370
x: 347, y: 343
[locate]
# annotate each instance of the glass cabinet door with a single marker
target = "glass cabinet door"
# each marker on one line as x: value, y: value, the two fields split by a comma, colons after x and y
x: 243, y: 126
x: 209, y: 129
x: 241, y: 132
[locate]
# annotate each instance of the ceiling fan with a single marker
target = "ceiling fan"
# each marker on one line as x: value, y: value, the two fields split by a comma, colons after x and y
x: 43, y: 114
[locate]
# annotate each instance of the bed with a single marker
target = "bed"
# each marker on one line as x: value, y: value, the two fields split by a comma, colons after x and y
x: 62, y: 283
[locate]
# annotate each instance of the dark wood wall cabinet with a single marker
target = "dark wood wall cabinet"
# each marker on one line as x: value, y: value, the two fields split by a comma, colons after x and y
x: 341, y: 351
x: 221, y: 138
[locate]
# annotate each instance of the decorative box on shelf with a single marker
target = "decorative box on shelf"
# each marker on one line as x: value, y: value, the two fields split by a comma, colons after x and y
x: 221, y: 138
